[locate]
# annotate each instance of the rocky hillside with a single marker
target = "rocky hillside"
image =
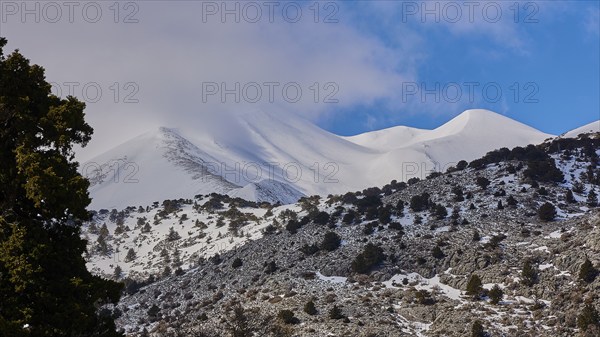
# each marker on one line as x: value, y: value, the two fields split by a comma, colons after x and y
x: 506, y: 245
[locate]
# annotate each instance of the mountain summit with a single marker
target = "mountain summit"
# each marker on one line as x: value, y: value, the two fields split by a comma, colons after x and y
x: 277, y: 157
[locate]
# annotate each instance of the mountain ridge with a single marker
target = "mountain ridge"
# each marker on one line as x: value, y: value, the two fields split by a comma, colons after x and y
x: 283, y: 152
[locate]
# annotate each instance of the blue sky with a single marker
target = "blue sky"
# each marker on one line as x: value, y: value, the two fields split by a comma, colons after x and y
x: 156, y: 62
x: 552, y: 54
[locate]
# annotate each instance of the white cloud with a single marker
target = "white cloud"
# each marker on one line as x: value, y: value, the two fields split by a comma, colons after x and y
x: 170, y: 53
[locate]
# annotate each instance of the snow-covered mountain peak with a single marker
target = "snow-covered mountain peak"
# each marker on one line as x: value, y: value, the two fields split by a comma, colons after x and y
x: 278, y: 157
x: 588, y: 128
x: 481, y: 121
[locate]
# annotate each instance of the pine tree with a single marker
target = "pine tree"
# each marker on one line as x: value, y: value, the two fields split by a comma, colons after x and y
x: 495, y: 294
x: 569, y: 197
x: 529, y: 274
x: 370, y: 257
x: 547, y: 212
x: 458, y: 194
x: 153, y: 311
x: 238, y: 323
x: 310, y: 308
x: 482, y: 182
x: 474, y: 287
x: 336, y: 313
x: 173, y: 235
x: 587, y: 272
x: 500, y: 204
x: 477, y: 330
x: 330, y: 242
x: 131, y: 255
x: 43, y: 198
x: 287, y: 316
x: 437, y: 252
x: 400, y: 208
x: 236, y: 263
x: 104, y: 230
x: 102, y: 245
x: 592, y: 198
x: 455, y: 213
x: 578, y: 187
x: 589, y: 316
x: 118, y: 272
x: 440, y: 212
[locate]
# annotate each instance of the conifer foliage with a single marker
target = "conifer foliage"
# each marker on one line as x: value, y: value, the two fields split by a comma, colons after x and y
x: 44, y: 283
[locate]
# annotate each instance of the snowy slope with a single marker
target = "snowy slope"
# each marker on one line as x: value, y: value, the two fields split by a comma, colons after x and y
x: 468, y: 136
x: 592, y: 127
x: 278, y: 157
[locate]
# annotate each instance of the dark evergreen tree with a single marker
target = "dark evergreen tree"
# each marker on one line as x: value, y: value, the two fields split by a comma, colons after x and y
x: 437, y: 252
x: 320, y: 218
x: 495, y: 294
x: 310, y: 308
x: 330, y: 242
x: 440, y: 212
x: 400, y: 208
x: 461, y: 165
x: 474, y: 287
x: 293, y: 226
x: 589, y: 316
x: 529, y: 274
x: 370, y: 257
x: 547, y: 212
x: 173, y: 235
x: 287, y: 316
x: 236, y: 263
x: 587, y: 272
x: 419, y: 203
x: 309, y: 249
x: 336, y: 313
x: 543, y: 171
x: 43, y: 278
x: 238, y: 323
x: 458, y: 193
x: 578, y: 187
x: 477, y: 329
x: 592, y: 198
x: 455, y: 213
x: 569, y: 197
x: 482, y: 182
x: 270, y: 267
x: 131, y: 255
x: 385, y: 214
x: 153, y: 311
x: 118, y: 272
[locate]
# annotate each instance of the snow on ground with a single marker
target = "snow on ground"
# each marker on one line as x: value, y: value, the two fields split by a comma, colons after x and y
x: 424, y: 283
x: 201, y: 236
x: 332, y: 279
